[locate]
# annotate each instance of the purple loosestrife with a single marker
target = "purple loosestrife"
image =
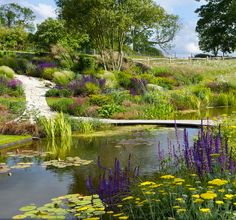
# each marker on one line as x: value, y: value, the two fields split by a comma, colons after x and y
x: 113, y: 184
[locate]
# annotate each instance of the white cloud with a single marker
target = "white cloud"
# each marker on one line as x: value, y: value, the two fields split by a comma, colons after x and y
x: 41, y: 10
x: 192, y: 47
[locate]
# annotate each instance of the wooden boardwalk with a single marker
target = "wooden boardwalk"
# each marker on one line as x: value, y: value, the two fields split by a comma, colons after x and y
x: 166, y: 123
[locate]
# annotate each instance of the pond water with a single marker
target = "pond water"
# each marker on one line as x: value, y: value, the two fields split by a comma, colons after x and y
x: 38, y: 184
x: 208, y: 113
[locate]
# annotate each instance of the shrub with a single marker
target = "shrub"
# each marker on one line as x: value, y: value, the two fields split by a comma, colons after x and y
x: 87, y: 85
x: 48, y: 72
x: 58, y: 93
x: 184, y: 100
x: 100, y: 100
x: 161, y: 111
x: 78, y: 108
x: 6, y: 72
x: 63, y: 78
x: 62, y: 105
x: 123, y: 78
x: 91, y: 89
x: 32, y: 70
x: 87, y: 64
x: 108, y: 110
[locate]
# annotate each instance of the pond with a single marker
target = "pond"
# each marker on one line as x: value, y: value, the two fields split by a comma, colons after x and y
x: 38, y: 184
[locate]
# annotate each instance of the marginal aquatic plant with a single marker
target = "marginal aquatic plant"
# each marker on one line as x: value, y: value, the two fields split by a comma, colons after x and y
x: 114, y: 184
x: 56, y: 127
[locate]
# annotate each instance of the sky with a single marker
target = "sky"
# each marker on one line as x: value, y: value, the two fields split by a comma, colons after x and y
x: 185, y: 43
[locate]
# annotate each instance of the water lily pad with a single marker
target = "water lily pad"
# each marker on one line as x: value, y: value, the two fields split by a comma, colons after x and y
x: 28, y: 208
x: 19, y: 217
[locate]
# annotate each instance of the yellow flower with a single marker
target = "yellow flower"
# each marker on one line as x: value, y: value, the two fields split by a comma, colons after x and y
x: 149, y: 193
x: 209, y: 195
x: 156, y: 186
x: 195, y: 196
x: 192, y: 189
x: 110, y: 212
x: 179, y: 184
x: 188, y: 185
x: 118, y: 214
x: 181, y: 210
x: 193, y: 175
x: 228, y: 196
x: 205, y: 210
x: 127, y: 198
x: 198, y: 201
x: 147, y: 183
x: 179, y: 199
x: 124, y: 217
x: 137, y: 199
x: 92, y: 218
x: 235, y: 203
x: 167, y: 177
x: 219, y: 202
x: 221, y: 190
x: 218, y: 182
x: 176, y: 207
x: 119, y: 206
x: 179, y: 180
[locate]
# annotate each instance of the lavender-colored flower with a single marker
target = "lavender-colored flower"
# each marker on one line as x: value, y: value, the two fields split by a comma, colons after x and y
x: 14, y: 83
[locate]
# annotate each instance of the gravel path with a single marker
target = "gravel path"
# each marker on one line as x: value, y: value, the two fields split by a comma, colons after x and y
x: 35, y: 90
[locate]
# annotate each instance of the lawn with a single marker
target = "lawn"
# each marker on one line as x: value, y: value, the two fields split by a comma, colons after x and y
x: 7, y: 139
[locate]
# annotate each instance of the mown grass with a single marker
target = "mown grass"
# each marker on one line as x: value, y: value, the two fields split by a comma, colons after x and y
x: 7, y: 139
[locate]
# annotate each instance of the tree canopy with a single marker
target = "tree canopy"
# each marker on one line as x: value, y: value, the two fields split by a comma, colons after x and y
x: 109, y: 23
x: 13, y: 15
x: 53, y: 31
x: 217, y: 26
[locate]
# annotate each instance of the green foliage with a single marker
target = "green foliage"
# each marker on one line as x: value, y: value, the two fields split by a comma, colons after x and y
x: 87, y: 64
x: 108, y: 110
x: 184, y: 100
x: 100, y: 99
x: 13, y: 38
x: 57, y: 127
x: 123, y: 78
x: 48, y: 73
x: 101, y: 18
x: 63, y: 78
x: 91, y: 89
x: 215, y: 26
x: 223, y: 99
x: 62, y: 105
x: 6, y: 72
x: 59, y: 93
x: 15, y: 105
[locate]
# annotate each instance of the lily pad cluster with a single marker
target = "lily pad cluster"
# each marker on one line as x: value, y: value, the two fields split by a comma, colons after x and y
x: 27, y: 154
x: 69, y: 206
x: 4, y: 168
x: 68, y: 162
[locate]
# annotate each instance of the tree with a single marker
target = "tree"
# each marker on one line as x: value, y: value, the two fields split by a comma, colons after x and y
x: 108, y: 23
x: 13, y: 15
x: 217, y: 26
x: 53, y: 31
x: 13, y: 38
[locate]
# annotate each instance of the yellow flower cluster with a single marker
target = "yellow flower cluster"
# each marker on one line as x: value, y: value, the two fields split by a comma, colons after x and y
x: 167, y: 177
x: 205, y: 210
x: 218, y: 182
x: 209, y: 195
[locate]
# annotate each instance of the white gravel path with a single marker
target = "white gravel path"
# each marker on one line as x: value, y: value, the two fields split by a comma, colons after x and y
x: 35, y: 90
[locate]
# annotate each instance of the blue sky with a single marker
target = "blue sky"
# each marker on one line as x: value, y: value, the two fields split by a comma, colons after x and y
x: 185, y: 43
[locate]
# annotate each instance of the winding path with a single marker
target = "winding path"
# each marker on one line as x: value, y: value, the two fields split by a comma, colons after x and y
x: 35, y: 91
x: 36, y: 104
